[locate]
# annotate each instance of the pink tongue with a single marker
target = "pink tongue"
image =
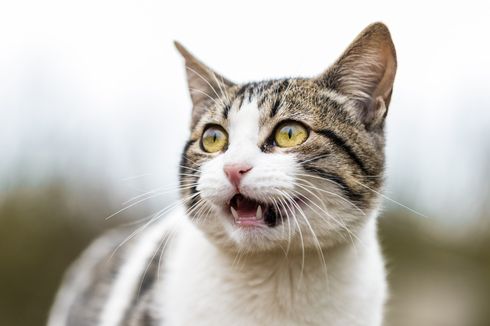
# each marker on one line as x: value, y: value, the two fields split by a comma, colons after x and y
x: 246, y: 208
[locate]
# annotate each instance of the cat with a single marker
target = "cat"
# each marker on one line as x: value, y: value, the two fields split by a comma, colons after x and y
x: 280, y: 185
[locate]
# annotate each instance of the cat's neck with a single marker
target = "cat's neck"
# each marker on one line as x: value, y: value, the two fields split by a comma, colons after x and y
x: 292, y: 286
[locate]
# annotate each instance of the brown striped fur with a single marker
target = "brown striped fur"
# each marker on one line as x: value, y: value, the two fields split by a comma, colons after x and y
x: 344, y: 110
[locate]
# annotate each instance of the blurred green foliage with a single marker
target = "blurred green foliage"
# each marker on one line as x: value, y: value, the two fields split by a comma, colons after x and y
x: 439, y: 275
x: 40, y: 234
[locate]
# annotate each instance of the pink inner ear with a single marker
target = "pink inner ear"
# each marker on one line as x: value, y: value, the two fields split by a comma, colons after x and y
x: 385, y: 85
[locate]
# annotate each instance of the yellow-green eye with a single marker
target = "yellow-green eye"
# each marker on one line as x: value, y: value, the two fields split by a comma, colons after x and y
x: 214, y: 139
x: 290, y: 134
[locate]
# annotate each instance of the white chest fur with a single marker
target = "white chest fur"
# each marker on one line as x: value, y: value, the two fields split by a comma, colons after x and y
x: 204, y: 286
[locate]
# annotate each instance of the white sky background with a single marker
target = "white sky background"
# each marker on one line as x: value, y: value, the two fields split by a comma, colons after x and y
x: 95, y: 90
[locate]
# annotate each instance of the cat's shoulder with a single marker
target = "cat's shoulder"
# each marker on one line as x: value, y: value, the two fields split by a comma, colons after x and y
x: 87, y: 281
x: 116, y: 272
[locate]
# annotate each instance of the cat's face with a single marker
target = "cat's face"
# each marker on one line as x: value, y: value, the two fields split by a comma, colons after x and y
x: 293, y: 163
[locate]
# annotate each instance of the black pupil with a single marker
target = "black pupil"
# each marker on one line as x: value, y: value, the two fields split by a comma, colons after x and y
x: 215, y: 135
x: 290, y: 133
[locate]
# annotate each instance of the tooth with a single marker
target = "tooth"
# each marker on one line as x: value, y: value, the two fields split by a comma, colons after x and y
x: 234, y: 213
x: 258, y: 215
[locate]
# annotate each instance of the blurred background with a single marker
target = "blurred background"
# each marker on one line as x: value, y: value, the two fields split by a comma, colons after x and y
x: 94, y: 111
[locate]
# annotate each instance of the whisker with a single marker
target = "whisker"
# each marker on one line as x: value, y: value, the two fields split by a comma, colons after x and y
x: 312, y: 186
x: 157, y: 190
x: 171, y: 234
x: 300, y: 235
x: 188, y: 175
x: 207, y: 82
x: 276, y: 207
x: 320, y: 200
x: 206, y: 214
x: 317, y: 242
x: 339, y: 222
x: 289, y: 225
x: 367, y: 187
x: 135, y: 203
x: 190, y: 160
x: 223, y: 93
x: 148, y: 265
x: 155, y: 217
x: 198, y: 205
x: 189, y: 168
x: 322, y: 178
x: 392, y: 200
x: 195, y: 90
x: 316, y: 158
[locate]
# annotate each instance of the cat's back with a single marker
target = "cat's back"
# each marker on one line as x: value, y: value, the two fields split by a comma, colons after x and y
x: 112, y: 282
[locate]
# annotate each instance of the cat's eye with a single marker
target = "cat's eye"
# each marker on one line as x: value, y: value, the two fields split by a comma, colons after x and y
x: 214, y: 139
x: 290, y: 134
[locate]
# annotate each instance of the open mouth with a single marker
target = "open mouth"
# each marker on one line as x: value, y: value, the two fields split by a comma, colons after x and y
x: 249, y: 212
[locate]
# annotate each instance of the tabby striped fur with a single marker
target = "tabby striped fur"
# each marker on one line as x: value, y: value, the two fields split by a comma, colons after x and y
x: 316, y: 261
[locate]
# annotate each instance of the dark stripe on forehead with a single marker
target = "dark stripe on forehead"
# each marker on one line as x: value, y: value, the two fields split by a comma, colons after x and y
x: 264, y: 89
x: 281, y: 87
x: 275, y: 107
x: 247, y: 91
x: 226, y: 110
x: 336, y: 179
x: 252, y: 90
x: 341, y: 143
x: 262, y: 100
x: 240, y: 101
x: 266, y: 85
x: 240, y: 91
x: 240, y: 94
x: 278, y: 92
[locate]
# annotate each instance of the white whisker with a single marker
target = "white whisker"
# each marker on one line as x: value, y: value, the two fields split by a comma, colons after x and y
x: 207, y: 82
x: 392, y: 200
x: 317, y: 242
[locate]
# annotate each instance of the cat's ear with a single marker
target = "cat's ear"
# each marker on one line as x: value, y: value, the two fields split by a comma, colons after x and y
x: 365, y: 73
x: 203, y: 82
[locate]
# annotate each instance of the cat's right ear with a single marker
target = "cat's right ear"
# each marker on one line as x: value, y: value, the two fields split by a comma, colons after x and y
x: 203, y: 82
x: 365, y: 73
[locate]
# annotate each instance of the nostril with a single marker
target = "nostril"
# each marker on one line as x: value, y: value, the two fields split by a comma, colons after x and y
x: 245, y: 170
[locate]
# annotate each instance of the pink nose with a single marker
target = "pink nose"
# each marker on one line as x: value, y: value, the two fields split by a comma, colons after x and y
x: 235, y: 172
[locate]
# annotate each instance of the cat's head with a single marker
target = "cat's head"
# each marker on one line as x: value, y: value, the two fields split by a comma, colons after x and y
x: 290, y: 163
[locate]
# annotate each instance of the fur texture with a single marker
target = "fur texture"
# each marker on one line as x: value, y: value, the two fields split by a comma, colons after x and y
x: 310, y: 255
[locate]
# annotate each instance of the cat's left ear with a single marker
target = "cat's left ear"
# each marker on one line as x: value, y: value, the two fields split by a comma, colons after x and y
x: 365, y: 73
x: 203, y: 82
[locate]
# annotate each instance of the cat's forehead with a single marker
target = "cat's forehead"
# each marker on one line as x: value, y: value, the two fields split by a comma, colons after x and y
x: 274, y: 101
x: 278, y: 97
